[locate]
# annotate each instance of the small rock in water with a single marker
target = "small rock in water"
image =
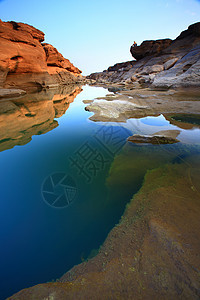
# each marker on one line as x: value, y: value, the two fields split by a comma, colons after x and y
x: 161, y: 137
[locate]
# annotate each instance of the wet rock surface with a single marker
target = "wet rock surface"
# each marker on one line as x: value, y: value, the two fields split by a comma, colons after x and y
x: 138, y: 103
x: 161, y: 137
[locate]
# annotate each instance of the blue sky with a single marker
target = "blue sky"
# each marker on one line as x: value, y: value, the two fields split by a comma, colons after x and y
x: 97, y: 34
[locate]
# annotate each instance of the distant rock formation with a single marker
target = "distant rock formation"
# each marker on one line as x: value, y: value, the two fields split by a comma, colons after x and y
x: 161, y: 63
x: 35, y: 64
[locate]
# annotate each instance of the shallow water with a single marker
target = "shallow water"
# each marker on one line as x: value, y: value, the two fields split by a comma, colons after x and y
x: 66, y: 180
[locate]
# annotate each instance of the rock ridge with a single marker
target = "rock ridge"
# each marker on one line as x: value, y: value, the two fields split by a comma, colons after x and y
x: 162, y: 63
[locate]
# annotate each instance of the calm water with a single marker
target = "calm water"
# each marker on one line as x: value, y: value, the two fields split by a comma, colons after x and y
x: 59, y: 198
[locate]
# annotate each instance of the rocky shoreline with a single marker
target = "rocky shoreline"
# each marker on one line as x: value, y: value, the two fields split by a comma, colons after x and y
x: 128, y: 265
x: 141, y: 102
x: 160, y: 64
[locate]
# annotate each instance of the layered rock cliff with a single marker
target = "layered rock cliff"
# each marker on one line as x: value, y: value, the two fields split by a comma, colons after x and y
x: 27, y: 62
x: 160, y: 63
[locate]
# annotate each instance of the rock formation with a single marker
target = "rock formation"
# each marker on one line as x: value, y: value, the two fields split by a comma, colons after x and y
x: 148, y: 48
x: 161, y: 63
x: 35, y: 64
x: 161, y: 137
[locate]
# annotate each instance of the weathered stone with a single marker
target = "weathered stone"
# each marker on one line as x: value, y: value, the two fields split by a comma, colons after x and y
x: 21, y: 53
x: 149, y: 48
x: 174, y: 63
x: 133, y: 78
x: 170, y: 63
x: 151, y: 77
x: 152, y: 69
x: 161, y: 137
x: 185, y: 73
x: 55, y: 59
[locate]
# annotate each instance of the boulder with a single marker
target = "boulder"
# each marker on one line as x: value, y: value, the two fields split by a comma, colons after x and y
x: 149, y: 48
x: 161, y: 137
x: 124, y: 65
x: 152, y: 69
x: 170, y: 63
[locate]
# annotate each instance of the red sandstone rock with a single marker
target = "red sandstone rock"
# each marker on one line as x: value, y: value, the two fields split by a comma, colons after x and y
x: 21, y: 52
x: 54, y: 58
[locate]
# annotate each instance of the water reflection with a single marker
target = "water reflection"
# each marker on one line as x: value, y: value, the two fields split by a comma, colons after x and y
x: 33, y: 114
x: 43, y: 242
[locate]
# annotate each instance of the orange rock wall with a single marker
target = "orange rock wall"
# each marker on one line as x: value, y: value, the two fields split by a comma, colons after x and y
x: 22, y: 52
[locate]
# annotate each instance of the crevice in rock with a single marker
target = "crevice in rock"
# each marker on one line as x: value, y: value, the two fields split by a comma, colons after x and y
x: 186, y: 67
x: 15, y: 25
x: 17, y: 57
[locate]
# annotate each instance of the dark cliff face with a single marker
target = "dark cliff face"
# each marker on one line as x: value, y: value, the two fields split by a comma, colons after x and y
x: 186, y: 40
x: 22, y: 52
x: 148, y: 48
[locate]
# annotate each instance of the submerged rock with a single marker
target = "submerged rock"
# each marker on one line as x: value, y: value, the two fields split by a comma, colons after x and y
x: 138, y: 103
x: 112, y: 110
x: 153, y: 253
x: 161, y: 137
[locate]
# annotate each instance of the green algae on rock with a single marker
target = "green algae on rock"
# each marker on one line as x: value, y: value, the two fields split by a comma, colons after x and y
x: 154, y: 250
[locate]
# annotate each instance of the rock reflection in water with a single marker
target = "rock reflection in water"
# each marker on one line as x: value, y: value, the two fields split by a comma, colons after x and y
x: 33, y: 114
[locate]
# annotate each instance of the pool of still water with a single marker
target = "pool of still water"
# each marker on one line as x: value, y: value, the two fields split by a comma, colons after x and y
x: 56, y: 205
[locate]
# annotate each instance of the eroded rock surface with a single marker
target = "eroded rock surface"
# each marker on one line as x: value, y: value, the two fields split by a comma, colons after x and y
x: 55, y: 59
x: 139, y: 103
x: 25, y: 61
x: 161, y: 64
x: 148, y: 48
x: 161, y: 137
